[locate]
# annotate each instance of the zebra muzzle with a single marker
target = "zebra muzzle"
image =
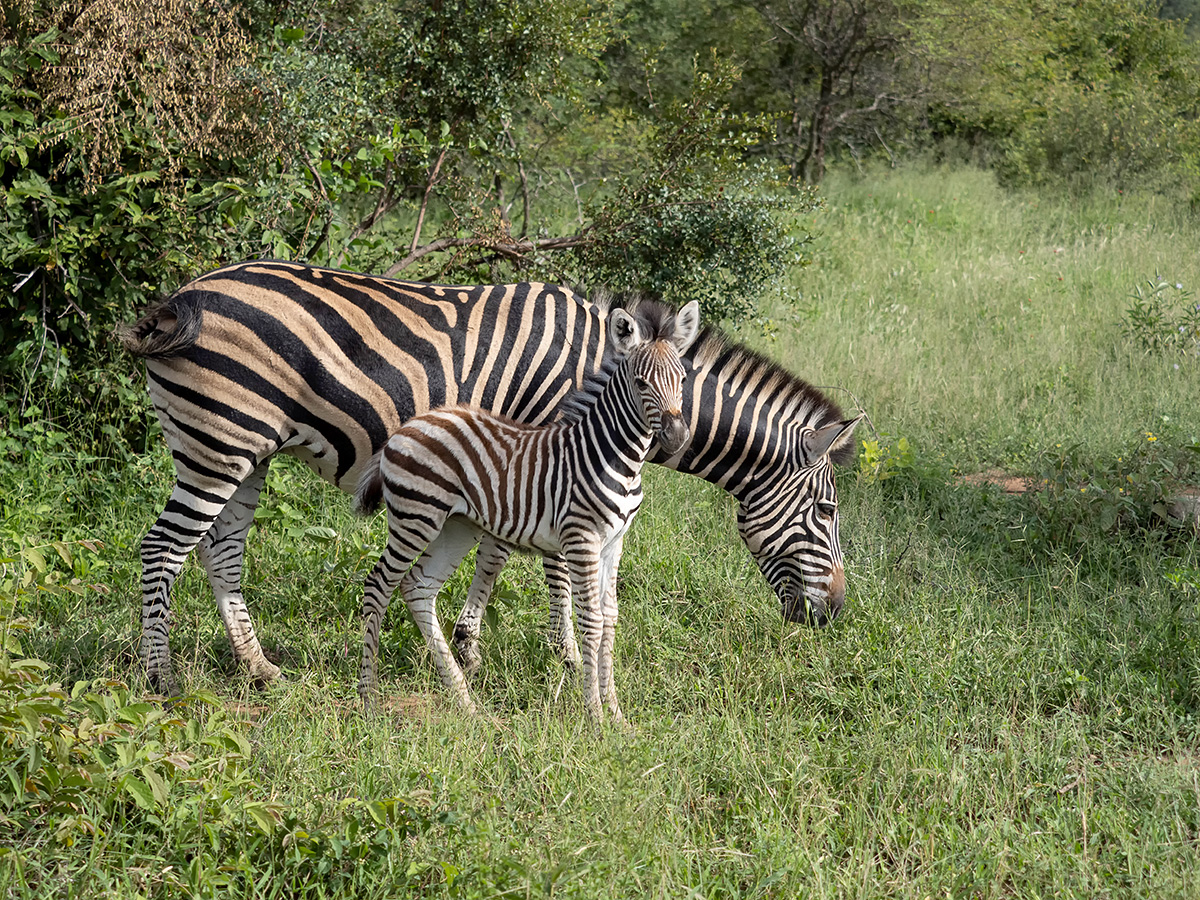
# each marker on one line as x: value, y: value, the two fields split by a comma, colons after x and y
x: 673, y: 434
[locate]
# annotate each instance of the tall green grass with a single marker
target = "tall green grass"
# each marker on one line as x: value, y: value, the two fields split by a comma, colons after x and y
x: 1009, y: 707
x: 986, y: 324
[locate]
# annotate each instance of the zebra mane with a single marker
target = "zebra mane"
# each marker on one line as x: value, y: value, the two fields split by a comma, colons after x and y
x: 740, y: 365
x: 716, y: 351
x: 577, y: 403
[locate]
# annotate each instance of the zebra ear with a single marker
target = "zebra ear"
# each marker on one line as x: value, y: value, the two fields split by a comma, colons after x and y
x: 687, y: 326
x: 623, y: 328
x: 834, y: 440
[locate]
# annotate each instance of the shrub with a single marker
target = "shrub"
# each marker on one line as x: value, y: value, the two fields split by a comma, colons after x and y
x: 100, y: 789
x: 1163, y: 318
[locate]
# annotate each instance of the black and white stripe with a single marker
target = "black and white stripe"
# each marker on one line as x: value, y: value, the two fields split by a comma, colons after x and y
x: 570, y: 489
x: 263, y: 357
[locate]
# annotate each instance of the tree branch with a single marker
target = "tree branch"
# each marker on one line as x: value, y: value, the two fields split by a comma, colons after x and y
x: 516, y: 250
x: 437, y: 166
x: 524, y: 181
x: 386, y: 203
x: 329, y: 211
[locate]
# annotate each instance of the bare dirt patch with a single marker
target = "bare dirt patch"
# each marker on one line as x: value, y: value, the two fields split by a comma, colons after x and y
x: 1010, y: 484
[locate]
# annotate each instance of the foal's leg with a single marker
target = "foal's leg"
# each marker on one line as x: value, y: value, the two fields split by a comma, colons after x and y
x: 222, y: 551
x: 609, y: 563
x: 420, y: 589
x: 407, y: 537
x: 583, y: 559
x: 490, y: 559
x: 562, y: 629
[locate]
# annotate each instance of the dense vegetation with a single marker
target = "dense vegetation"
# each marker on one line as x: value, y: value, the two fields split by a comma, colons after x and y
x: 978, y: 221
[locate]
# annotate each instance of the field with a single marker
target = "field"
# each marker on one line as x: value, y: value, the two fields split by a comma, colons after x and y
x: 1010, y: 706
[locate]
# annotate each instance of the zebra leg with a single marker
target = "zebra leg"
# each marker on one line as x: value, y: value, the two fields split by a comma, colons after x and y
x: 395, y: 561
x: 490, y: 559
x: 609, y: 563
x: 222, y: 551
x: 562, y: 628
x: 182, y: 525
x: 419, y: 585
x: 420, y: 588
x: 583, y: 561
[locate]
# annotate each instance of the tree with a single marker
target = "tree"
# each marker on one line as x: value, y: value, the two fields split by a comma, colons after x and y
x: 113, y: 174
x: 463, y: 110
x: 840, y: 60
x: 1100, y: 89
x: 146, y: 141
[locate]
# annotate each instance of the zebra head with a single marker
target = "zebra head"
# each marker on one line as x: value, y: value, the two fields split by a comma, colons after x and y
x: 653, y: 347
x: 790, y: 523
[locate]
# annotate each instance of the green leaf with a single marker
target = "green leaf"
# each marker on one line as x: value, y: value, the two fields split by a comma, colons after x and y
x: 63, y: 551
x: 158, y: 785
x: 141, y: 792
x: 35, y: 558
x: 262, y: 817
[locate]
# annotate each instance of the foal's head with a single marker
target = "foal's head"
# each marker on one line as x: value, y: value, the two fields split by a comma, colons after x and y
x: 653, y: 345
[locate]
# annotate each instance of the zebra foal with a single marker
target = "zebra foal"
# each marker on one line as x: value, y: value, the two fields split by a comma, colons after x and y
x: 570, y: 489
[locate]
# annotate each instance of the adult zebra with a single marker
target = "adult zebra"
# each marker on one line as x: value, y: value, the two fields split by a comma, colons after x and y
x: 569, y: 488
x: 262, y: 357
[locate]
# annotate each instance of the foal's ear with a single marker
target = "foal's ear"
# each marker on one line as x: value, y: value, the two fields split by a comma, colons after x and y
x: 624, y: 331
x: 687, y: 326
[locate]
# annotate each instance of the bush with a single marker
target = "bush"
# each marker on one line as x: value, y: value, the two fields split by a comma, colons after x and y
x: 1163, y: 318
x: 102, y: 791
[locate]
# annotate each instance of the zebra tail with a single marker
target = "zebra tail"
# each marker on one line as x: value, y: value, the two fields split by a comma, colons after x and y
x: 369, y: 495
x: 165, y: 329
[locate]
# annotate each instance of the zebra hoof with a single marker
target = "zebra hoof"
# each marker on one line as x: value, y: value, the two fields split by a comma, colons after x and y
x: 263, y: 673
x: 470, y: 658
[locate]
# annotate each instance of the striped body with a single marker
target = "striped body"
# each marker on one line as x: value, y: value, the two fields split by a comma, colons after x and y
x: 263, y: 357
x: 569, y: 489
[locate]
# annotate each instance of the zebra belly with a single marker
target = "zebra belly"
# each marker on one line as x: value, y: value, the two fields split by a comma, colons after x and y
x: 544, y: 533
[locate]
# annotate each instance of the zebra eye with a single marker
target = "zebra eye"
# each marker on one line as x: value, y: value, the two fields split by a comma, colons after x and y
x: 826, y: 510
x: 641, y: 382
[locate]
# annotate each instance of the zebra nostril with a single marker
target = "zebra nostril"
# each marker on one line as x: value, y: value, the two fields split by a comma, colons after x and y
x: 673, y: 434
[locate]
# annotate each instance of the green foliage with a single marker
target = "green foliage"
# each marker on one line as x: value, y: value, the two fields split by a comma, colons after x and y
x: 698, y: 221
x: 1078, y: 498
x: 95, y: 777
x: 1103, y: 91
x: 1163, y: 318
x: 88, y: 244
x: 879, y: 462
x: 410, y: 107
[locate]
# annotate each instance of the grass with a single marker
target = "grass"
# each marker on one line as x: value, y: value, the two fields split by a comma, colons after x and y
x: 1010, y: 707
x: 985, y: 324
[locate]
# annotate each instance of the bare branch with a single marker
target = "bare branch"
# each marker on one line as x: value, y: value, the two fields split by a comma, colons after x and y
x: 386, y: 203
x: 516, y: 250
x: 312, y: 170
x: 524, y: 181
x: 875, y: 106
x: 437, y: 166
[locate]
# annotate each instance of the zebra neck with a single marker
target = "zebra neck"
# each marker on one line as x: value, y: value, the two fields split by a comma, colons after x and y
x: 612, y: 428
